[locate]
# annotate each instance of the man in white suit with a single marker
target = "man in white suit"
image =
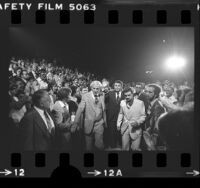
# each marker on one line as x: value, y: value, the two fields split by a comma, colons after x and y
x: 92, y: 108
x: 130, y: 119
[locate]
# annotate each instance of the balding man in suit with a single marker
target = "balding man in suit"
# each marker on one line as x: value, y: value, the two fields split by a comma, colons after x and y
x: 37, y: 126
x: 92, y: 108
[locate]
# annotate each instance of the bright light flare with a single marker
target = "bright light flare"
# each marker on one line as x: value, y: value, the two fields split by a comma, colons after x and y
x: 175, y: 62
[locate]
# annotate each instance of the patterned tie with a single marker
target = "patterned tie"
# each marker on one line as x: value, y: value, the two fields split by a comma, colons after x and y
x: 149, y: 109
x: 96, y: 99
x: 49, y: 125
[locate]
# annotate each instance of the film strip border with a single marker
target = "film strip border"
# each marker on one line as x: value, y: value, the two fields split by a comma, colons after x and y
x: 108, y: 164
x: 143, y: 164
x: 113, y: 17
x: 112, y: 159
x: 132, y: 15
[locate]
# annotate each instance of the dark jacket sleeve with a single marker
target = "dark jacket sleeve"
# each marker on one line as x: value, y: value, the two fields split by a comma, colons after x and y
x: 157, y: 112
x: 18, y: 104
x: 27, y: 131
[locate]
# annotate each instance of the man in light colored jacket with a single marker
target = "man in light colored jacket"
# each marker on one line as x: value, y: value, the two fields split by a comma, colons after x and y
x: 130, y: 119
x: 92, y: 107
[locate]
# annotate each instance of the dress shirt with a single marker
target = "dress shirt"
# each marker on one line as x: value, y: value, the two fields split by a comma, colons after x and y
x: 41, y: 112
x: 119, y: 94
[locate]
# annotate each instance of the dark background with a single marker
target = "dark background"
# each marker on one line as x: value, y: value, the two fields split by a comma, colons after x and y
x: 115, y: 53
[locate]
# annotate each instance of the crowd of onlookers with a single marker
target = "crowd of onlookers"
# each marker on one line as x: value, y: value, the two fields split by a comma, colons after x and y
x: 70, y: 107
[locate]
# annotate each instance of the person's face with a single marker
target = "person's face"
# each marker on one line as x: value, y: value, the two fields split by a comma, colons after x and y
x: 95, y: 90
x: 66, y: 84
x: 168, y: 92
x: 25, y: 75
x: 45, y: 101
x: 19, y: 87
x: 75, y: 82
x: 54, y: 88
x: 128, y: 96
x: 14, y: 90
x: 18, y: 72
x: 84, y: 90
x: 50, y: 77
x: 80, y: 81
x: 14, y: 66
x: 43, y: 76
x: 149, y: 91
x: 106, y: 89
x: 138, y: 88
x: 165, y: 87
x: 34, y: 67
x: 117, y: 87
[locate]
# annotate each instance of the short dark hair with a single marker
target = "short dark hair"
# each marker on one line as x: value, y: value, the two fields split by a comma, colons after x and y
x: 19, y: 69
x: 73, y: 88
x: 170, y: 87
x: 63, y: 93
x: 127, y: 89
x: 51, y: 85
x: 142, y: 84
x: 119, y: 82
x: 37, y: 96
x: 157, y: 89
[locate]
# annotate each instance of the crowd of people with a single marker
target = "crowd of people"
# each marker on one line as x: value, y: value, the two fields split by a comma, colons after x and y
x: 55, y: 108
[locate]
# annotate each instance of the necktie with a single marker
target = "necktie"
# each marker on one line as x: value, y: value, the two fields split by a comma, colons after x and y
x: 117, y: 98
x: 149, y: 109
x: 49, y: 125
x: 96, y: 99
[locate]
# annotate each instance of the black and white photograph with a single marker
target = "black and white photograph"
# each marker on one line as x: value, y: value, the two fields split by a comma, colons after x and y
x: 101, y: 88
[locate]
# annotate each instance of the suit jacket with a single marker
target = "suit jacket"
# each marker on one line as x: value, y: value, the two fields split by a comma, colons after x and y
x: 156, y: 110
x: 87, y: 108
x: 112, y: 107
x: 34, y: 133
x: 126, y: 116
x: 143, y: 98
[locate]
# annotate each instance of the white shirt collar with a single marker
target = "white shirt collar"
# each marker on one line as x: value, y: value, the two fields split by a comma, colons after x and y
x: 39, y: 110
x: 119, y: 93
x: 92, y: 95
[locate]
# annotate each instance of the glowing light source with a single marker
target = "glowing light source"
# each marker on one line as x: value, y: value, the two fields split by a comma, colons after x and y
x: 175, y: 62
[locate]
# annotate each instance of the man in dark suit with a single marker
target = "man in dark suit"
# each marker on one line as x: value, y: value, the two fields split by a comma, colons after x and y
x: 92, y: 107
x: 37, y: 126
x: 139, y: 94
x: 112, y: 101
x: 153, y: 113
